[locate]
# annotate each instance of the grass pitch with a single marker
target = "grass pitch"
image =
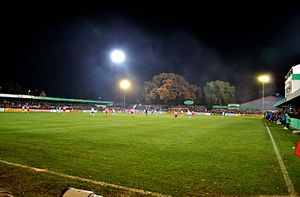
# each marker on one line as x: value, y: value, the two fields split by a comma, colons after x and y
x: 205, y: 155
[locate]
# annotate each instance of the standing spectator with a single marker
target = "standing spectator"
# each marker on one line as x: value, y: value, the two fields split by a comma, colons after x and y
x: 287, y: 122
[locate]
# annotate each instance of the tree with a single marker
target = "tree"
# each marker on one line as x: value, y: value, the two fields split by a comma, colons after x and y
x: 169, y: 88
x: 12, y: 87
x: 219, y: 93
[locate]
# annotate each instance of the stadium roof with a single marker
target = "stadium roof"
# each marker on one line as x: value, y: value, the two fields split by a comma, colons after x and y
x: 292, y: 98
x: 21, y: 96
x: 269, y: 103
x: 235, y: 107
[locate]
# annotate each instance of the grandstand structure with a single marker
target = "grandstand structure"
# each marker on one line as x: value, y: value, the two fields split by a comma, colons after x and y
x: 292, y: 89
x: 291, y: 102
x: 269, y: 103
x: 251, y: 107
x: 16, y: 102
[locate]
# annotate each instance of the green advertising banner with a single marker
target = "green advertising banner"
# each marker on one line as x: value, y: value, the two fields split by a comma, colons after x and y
x: 188, y: 102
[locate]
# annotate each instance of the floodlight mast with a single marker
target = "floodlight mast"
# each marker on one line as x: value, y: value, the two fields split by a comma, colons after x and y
x: 124, y: 85
x: 263, y: 79
x: 118, y: 57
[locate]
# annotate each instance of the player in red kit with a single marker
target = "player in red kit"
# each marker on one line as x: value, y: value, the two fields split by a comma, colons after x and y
x: 193, y: 113
x: 64, y: 109
x: 175, y: 114
x: 131, y: 112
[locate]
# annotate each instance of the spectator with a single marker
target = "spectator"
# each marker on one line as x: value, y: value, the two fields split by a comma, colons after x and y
x: 287, y: 122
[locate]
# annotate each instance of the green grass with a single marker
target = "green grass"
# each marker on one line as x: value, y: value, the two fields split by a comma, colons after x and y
x: 182, y: 157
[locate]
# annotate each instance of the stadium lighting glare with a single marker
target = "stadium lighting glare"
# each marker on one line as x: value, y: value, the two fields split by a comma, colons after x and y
x: 263, y: 79
x: 124, y: 85
x: 117, y: 56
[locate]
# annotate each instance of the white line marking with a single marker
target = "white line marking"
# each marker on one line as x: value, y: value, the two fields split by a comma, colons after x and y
x: 287, y: 179
x: 140, y: 191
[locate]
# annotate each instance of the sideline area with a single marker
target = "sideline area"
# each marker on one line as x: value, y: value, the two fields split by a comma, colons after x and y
x: 143, y: 192
x: 287, y: 179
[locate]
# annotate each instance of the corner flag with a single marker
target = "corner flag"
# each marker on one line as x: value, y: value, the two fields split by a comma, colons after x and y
x: 297, y: 151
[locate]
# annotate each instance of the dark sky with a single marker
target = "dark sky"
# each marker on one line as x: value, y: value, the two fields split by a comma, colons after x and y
x: 64, y: 49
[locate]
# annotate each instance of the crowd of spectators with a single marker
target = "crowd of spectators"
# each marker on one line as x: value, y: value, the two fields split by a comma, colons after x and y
x: 39, y: 104
x: 44, y: 104
x: 276, y: 117
x: 169, y: 108
x: 235, y: 111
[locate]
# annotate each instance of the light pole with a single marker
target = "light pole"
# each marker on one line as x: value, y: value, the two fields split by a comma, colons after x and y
x: 124, y: 85
x: 117, y: 56
x: 263, y: 79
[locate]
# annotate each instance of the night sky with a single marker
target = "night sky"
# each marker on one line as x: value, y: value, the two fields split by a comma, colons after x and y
x: 64, y: 49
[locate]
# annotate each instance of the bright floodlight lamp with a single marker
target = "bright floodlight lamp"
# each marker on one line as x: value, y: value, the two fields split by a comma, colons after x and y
x: 263, y: 79
x: 117, y: 56
x: 124, y: 85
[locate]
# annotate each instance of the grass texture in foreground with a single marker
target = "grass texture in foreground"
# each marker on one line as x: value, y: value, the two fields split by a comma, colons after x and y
x: 205, y: 155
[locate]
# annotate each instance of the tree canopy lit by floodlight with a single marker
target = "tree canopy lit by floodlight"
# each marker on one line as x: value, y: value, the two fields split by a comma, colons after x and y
x: 117, y: 56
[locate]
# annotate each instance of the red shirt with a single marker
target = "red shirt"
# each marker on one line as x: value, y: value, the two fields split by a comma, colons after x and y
x: 176, y: 114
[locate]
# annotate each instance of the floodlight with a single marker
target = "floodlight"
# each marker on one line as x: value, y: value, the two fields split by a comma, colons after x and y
x: 117, y: 56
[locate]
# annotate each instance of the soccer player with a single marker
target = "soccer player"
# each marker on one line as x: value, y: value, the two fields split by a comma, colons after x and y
x: 175, y: 114
x: 64, y: 109
x: 106, y: 112
x: 189, y: 113
x: 113, y: 112
x: 23, y: 108
x: 92, y: 112
x: 131, y: 112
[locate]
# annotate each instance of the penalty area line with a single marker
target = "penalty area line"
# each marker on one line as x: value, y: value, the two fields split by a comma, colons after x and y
x: 287, y: 179
x: 140, y: 191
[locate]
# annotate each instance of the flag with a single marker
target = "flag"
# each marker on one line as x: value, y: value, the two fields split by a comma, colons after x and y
x: 297, y: 151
